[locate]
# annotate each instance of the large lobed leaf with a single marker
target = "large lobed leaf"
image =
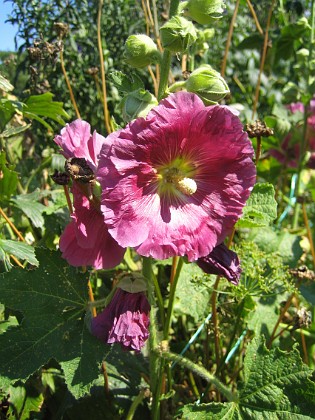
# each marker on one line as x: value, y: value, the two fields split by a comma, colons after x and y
x: 261, y: 207
x: 52, y: 300
x: 276, y: 385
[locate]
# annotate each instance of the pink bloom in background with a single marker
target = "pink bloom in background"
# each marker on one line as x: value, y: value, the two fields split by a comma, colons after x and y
x: 223, y: 262
x: 85, y: 240
x: 289, y: 153
x: 175, y: 183
x: 125, y: 320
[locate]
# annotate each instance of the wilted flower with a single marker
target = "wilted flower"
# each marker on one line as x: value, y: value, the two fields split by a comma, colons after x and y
x: 125, y: 320
x: 85, y: 240
x: 289, y: 152
x: 222, y: 261
x: 175, y: 183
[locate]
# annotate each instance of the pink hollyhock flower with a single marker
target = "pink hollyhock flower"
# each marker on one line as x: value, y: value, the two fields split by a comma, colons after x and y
x: 125, y: 320
x: 85, y: 240
x: 175, y: 182
x: 222, y: 261
x: 289, y: 153
x: 75, y: 140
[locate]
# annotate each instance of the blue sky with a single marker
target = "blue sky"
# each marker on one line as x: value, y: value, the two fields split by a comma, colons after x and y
x: 7, y: 31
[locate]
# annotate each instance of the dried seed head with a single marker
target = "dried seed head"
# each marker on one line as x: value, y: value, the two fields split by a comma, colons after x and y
x: 60, y: 178
x: 61, y: 28
x: 79, y: 170
x: 258, y: 129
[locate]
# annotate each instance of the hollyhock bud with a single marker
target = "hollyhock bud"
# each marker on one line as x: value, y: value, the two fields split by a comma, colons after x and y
x: 137, y: 104
x: 208, y: 84
x: 178, y: 34
x: 223, y: 262
x: 203, y: 11
x: 125, y: 320
x: 141, y: 51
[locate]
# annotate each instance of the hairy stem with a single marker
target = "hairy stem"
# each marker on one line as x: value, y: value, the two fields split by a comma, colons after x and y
x: 229, y: 38
x: 69, y: 85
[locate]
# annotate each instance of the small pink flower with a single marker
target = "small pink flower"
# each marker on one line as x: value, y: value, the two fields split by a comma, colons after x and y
x: 175, y: 182
x: 85, y: 240
x: 223, y: 262
x: 125, y: 321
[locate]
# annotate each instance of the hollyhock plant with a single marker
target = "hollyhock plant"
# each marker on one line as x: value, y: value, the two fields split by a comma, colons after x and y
x: 85, y: 240
x: 175, y: 183
x: 125, y: 320
x: 289, y: 153
x: 222, y: 261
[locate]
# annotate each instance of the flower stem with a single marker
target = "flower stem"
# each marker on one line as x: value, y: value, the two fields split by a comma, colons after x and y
x: 156, y: 364
x: 309, y: 232
x: 170, y: 308
x: 229, y: 38
x: 202, y: 372
x: 18, y: 234
x: 263, y: 58
x: 102, y: 68
x: 215, y: 322
x: 167, y: 57
x: 69, y: 85
x: 282, y: 313
x: 136, y: 402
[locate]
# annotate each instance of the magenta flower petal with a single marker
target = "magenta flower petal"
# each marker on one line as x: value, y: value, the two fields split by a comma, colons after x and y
x: 175, y: 183
x: 86, y: 240
x: 125, y: 321
x: 222, y: 261
x: 76, y: 140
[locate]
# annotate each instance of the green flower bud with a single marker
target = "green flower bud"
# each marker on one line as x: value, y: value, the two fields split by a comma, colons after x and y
x: 140, y: 51
x: 203, y: 11
x: 137, y: 104
x: 208, y: 84
x: 178, y: 34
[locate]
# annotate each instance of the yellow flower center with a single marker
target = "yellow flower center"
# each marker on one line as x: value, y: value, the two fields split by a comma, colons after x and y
x: 176, y: 177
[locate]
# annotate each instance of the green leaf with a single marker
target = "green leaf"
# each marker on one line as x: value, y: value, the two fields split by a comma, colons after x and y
x: 8, y: 178
x: 213, y: 411
x: 33, y: 210
x: 274, y: 384
x: 192, y: 293
x: 251, y: 42
x: 261, y: 207
x: 52, y: 300
x: 20, y: 250
x: 287, y: 245
x: 24, y: 400
x: 277, y: 385
x: 14, y: 131
x: 5, y: 85
x: 43, y: 105
x: 7, y: 111
x: 126, y: 84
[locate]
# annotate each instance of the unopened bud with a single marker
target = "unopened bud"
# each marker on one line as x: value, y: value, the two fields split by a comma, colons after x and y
x: 208, y: 84
x: 178, y: 34
x: 137, y: 104
x: 203, y: 11
x: 141, y: 51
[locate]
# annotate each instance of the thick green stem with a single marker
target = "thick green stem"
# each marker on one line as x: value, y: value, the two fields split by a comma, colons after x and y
x: 202, y: 372
x: 136, y: 402
x: 156, y: 369
x: 167, y: 57
x: 170, y: 308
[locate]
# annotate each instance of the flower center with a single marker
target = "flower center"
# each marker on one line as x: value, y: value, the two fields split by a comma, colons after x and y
x: 174, y: 179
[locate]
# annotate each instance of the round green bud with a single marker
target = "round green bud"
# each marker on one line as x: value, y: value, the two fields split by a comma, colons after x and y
x: 140, y: 51
x: 203, y: 11
x: 178, y: 34
x: 137, y: 104
x: 208, y: 84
